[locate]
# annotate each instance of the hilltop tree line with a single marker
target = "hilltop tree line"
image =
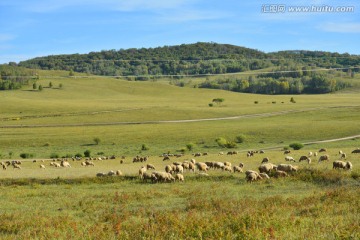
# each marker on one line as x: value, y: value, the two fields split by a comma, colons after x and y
x: 187, y: 59
x: 13, y: 77
x: 279, y: 83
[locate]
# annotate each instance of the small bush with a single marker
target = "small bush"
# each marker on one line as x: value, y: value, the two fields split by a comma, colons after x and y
x: 240, y: 138
x: 256, y: 102
x: 46, y: 144
x: 221, y: 141
x: 211, y: 105
x: 87, y: 153
x: 26, y: 155
x: 54, y: 155
x: 230, y: 144
x: 144, y: 147
x: 296, y: 146
x: 292, y: 100
x: 190, y: 146
x: 97, y: 140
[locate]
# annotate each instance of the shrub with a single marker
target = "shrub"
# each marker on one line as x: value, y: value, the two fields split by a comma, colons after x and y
x: 78, y: 155
x: 230, y: 144
x: 240, y: 138
x: 292, y: 100
x: 144, y: 147
x: 97, y: 140
x: 211, y: 105
x: 221, y: 141
x: 26, y: 155
x: 54, y: 155
x: 256, y: 102
x: 190, y: 146
x: 87, y: 153
x: 296, y: 146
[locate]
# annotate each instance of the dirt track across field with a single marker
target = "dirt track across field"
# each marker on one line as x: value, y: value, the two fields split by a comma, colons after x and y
x: 257, y: 115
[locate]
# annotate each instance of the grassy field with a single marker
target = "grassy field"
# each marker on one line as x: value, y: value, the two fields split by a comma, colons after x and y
x: 317, y: 202
x: 66, y: 120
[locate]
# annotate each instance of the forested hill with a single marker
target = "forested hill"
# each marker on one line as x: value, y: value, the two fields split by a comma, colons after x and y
x: 186, y: 59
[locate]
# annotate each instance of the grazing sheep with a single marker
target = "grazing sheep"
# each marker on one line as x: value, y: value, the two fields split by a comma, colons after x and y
x: 193, y: 161
x: 287, y: 151
x: 289, y: 159
x: 310, y: 154
x: 142, y: 170
x: 322, y: 150
x: 267, y: 167
x: 237, y: 169
x: 83, y: 164
x: 348, y: 165
x: 179, y: 169
x: 185, y: 165
x: 205, y: 154
x: 340, y: 152
x: 192, y: 167
x: 280, y: 173
x: 265, y: 160
x: 227, y: 168
x: 221, y: 153
x: 149, y: 176
x: 324, y: 158
x: 241, y: 165
x: 210, y: 164
x: 343, y: 165
x: 202, y: 167
x: 16, y: 166
x: 356, y: 151
x: 121, y: 161
x: 42, y: 166
x: 3, y: 165
x: 100, y: 174
x: 343, y: 156
x: 287, y: 168
x: 111, y: 173
x: 227, y: 164
x: 219, y: 165
x: 166, y: 158
x: 169, y: 168
x: 177, y: 163
x: 315, y: 154
x: 309, y: 160
x: 179, y: 177
x: 150, y: 166
x: 163, y: 176
x: 305, y: 159
x: 118, y: 173
x: 34, y: 161
x: 65, y: 164
x: 197, y: 154
x: 252, y: 176
x: 261, y: 151
x: 264, y: 175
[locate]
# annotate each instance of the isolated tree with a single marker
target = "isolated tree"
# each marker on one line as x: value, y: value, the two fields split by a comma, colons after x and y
x: 218, y: 100
x: 60, y: 85
x: 40, y: 87
x: 35, y: 86
x: 71, y: 73
x: 190, y: 146
x: 87, y: 153
x: 97, y: 140
x: 50, y: 85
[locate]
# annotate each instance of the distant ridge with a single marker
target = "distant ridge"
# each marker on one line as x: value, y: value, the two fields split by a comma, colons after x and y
x: 187, y: 59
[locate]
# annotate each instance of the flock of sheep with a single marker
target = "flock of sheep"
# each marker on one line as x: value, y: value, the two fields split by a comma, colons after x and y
x: 175, y: 171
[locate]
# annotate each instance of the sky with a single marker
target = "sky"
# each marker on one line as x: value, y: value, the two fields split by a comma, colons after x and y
x: 35, y: 28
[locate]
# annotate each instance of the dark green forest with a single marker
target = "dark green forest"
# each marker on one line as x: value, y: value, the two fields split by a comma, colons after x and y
x: 287, y: 71
x: 14, y: 77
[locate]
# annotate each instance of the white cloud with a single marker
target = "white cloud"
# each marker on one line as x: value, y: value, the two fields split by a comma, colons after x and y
x: 45, y: 6
x: 340, y: 27
x: 6, y: 37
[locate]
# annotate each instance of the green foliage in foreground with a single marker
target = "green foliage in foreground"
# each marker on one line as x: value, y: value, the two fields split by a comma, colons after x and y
x: 308, y: 205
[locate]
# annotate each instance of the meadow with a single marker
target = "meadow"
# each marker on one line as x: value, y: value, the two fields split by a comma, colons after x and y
x: 316, y: 202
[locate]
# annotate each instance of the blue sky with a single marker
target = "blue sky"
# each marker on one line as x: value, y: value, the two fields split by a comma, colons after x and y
x: 32, y: 28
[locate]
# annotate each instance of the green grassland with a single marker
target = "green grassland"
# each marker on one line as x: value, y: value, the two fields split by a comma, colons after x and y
x: 317, y: 202
x: 66, y: 120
